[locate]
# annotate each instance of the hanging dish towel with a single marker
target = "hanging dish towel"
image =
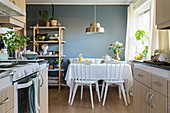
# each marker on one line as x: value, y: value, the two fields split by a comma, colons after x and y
x: 34, y: 96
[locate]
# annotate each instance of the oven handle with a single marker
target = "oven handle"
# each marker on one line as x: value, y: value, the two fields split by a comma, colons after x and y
x: 42, y: 80
x: 25, y: 85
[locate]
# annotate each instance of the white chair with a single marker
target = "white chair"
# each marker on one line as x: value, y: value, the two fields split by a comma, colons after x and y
x: 114, y: 75
x: 82, y: 77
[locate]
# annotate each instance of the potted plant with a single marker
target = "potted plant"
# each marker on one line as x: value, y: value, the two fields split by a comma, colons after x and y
x: 56, y: 61
x: 116, y: 48
x: 144, y: 38
x: 14, y: 41
x: 53, y: 22
x: 44, y: 14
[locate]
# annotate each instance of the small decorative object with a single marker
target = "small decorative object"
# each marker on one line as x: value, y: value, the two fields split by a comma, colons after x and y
x: 107, y: 58
x: 37, y: 24
x: 44, y: 48
x: 50, y: 53
x: 51, y: 67
x: 80, y: 57
x: 42, y: 37
x: 53, y: 22
x: 56, y: 52
x: 44, y: 14
x: 116, y: 47
x: 55, y: 35
x: 14, y: 41
x: 144, y: 38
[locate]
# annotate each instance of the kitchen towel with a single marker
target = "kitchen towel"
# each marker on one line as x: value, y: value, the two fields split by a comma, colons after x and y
x: 34, y: 96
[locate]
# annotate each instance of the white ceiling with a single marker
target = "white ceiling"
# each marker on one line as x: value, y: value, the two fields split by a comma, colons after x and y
x: 80, y: 2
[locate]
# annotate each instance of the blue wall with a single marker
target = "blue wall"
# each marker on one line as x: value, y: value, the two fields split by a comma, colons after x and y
x: 76, y: 19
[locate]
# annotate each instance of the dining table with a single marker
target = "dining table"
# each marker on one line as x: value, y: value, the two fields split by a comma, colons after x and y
x: 98, y: 72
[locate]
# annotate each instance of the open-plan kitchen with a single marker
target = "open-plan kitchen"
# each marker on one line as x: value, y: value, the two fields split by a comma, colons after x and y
x: 84, y: 56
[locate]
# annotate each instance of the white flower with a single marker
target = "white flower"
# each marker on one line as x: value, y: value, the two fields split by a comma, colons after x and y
x: 120, y: 44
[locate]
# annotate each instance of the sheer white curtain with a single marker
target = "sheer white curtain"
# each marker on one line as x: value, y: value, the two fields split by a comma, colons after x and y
x: 129, y: 46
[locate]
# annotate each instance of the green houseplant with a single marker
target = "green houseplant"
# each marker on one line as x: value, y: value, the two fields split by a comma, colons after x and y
x: 56, y: 61
x: 53, y: 22
x: 44, y: 14
x: 14, y: 41
x: 142, y: 36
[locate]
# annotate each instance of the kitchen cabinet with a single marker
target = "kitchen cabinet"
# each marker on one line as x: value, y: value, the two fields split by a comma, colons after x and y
x: 6, y: 99
x: 44, y: 90
x: 162, y: 14
x: 152, y: 98
x: 139, y: 95
x: 20, y: 3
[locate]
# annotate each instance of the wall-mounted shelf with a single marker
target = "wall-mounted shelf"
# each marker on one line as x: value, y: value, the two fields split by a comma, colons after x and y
x: 49, y: 42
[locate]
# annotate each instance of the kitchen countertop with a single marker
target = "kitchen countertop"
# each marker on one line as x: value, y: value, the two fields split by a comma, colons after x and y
x: 40, y: 61
x: 152, y: 65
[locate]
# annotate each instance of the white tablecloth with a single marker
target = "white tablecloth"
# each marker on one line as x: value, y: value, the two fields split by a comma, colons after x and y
x: 98, y: 71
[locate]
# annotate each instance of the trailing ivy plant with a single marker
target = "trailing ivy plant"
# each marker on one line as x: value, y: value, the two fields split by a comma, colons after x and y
x: 144, y: 37
x: 14, y: 41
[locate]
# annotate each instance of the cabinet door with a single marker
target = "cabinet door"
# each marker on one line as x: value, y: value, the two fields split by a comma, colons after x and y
x: 160, y: 11
x: 44, y: 91
x: 139, y: 98
x: 159, y: 103
x: 6, y: 99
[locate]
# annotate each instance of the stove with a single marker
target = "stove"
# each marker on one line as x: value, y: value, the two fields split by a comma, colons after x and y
x: 19, y: 70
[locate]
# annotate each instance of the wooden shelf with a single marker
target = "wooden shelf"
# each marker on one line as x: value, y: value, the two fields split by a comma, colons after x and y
x: 44, y: 27
x: 53, y: 70
x: 62, y: 84
x: 50, y: 56
x: 50, y: 42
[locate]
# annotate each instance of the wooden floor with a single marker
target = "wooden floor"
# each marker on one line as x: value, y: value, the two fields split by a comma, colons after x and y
x: 58, y: 102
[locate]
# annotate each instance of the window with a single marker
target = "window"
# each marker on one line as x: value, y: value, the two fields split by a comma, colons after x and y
x: 143, y: 23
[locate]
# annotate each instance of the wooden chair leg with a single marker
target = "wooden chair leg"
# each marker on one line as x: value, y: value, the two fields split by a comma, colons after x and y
x: 102, y: 89
x: 81, y: 92
x: 74, y: 93
x: 105, y: 94
x: 119, y: 92
x: 123, y: 91
x: 91, y: 95
x: 98, y: 93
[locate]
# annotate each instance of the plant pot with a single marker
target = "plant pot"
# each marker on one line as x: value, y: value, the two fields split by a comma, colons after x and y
x: 53, y: 23
x: 57, y: 65
x: 117, y: 57
x: 47, y: 24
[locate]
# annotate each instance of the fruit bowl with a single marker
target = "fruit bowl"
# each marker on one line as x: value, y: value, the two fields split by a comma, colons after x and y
x: 31, y: 56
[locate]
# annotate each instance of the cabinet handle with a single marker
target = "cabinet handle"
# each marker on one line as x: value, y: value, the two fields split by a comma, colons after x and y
x: 147, y: 98
x: 42, y: 80
x: 151, y: 101
x: 157, y: 83
x: 5, y: 101
x: 140, y: 75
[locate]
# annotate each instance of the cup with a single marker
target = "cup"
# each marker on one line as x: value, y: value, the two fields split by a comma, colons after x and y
x: 55, y: 35
x: 50, y: 53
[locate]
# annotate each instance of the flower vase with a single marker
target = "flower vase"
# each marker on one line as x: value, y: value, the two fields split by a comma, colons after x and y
x: 117, y: 57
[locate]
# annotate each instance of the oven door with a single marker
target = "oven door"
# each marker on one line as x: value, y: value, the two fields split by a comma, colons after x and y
x: 23, y: 95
